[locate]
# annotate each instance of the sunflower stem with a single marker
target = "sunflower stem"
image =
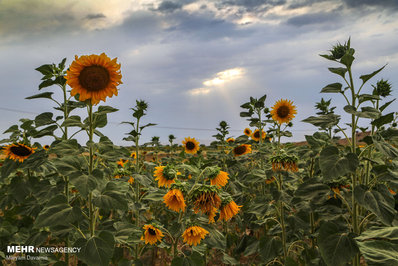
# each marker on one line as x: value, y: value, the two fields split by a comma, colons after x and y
x: 90, y: 166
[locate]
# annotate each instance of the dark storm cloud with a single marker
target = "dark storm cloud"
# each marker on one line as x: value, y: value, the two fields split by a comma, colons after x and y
x: 95, y: 16
x: 314, y: 18
x: 251, y: 5
x: 169, y: 6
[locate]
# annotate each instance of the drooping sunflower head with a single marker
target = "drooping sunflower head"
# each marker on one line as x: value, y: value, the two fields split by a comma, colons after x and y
x: 230, y: 140
x: 247, y: 132
x: 219, y: 179
x: 165, y: 175
x: 152, y: 234
x: 256, y: 135
x: 205, y: 198
x: 228, y: 209
x: 94, y: 77
x: 18, y: 151
x: 284, y: 162
x: 283, y: 111
x: 174, y: 200
x: 242, y: 149
x: 191, y: 145
x: 194, y: 234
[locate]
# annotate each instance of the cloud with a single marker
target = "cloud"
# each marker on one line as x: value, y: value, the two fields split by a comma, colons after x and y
x: 314, y: 18
x: 383, y: 4
x: 95, y: 16
x: 168, y: 6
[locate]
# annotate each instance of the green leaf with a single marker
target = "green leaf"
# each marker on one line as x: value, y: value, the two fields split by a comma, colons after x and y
x: 382, y: 120
x: 367, y: 97
x: 46, y: 83
x: 56, y: 212
x: 73, y: 121
x: 41, y: 95
x: 84, y: 183
x: 336, y: 245
x: 46, y: 69
x: 368, y: 112
x: 245, y: 114
x: 66, y: 147
x: 339, y: 71
x: 384, y: 147
x: 347, y: 60
x: 269, y: 248
x: 323, y: 121
x: 8, y: 167
x: 365, y: 78
x: 103, y: 109
x: 350, y: 109
x: 384, y: 106
x: 100, y: 120
x: 97, y: 250
x: 112, y: 197
x: 333, y: 165
x: 216, y: 239
x: 48, y: 131
x: 332, y: 88
x: 379, y: 246
x: 381, y: 204
x: 44, y: 119
x: 227, y: 259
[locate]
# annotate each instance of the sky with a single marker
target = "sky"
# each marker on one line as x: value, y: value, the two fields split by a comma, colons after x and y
x: 195, y: 61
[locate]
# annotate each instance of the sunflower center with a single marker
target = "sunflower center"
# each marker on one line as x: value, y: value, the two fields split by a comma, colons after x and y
x: 190, y: 145
x: 94, y: 78
x: 151, y: 231
x: 21, y: 150
x: 256, y: 134
x: 240, y: 150
x: 283, y: 111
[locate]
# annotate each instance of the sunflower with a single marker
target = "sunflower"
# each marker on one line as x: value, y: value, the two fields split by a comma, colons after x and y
x: 174, y: 200
x: 151, y: 234
x: 205, y: 200
x: 229, y: 210
x: 230, y: 140
x: 194, y: 234
x: 94, y: 77
x: 133, y: 155
x: 220, y: 179
x: 165, y: 175
x: 247, y: 132
x: 256, y: 135
x: 18, y: 152
x: 242, y: 149
x: 191, y: 145
x: 122, y: 162
x: 131, y: 180
x: 46, y: 147
x: 283, y: 111
x: 212, y: 214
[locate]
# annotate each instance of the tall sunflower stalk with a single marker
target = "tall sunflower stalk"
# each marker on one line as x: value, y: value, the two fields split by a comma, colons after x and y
x: 282, y: 113
x: 344, y: 55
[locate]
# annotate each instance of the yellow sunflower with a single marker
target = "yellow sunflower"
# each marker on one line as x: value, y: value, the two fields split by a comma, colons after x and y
x: 283, y: 111
x: 133, y: 155
x: 131, y: 180
x: 242, y: 149
x: 194, y: 234
x: 256, y: 135
x: 230, y: 140
x: 46, y: 147
x: 219, y: 180
x: 94, y: 77
x: 229, y: 211
x: 122, y: 162
x: 151, y: 234
x: 174, y: 200
x: 247, y: 132
x: 206, y: 201
x: 18, y: 151
x: 165, y: 176
x: 191, y: 145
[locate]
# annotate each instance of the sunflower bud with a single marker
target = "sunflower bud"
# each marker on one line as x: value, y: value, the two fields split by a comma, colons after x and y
x: 338, y: 51
x: 382, y: 88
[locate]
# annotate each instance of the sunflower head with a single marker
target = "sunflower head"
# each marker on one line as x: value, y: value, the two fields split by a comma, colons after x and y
x: 256, y: 135
x: 133, y: 155
x: 228, y: 209
x: 18, y: 151
x: 205, y: 199
x: 165, y: 175
x: 194, y: 234
x: 152, y: 234
x: 218, y: 178
x: 283, y: 111
x: 247, y: 132
x: 284, y: 162
x: 242, y: 149
x: 46, y: 147
x: 174, y: 200
x: 122, y: 162
x: 94, y: 77
x: 191, y: 145
x: 230, y: 140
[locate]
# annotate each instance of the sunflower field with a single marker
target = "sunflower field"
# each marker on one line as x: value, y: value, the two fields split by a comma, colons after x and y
x: 249, y: 200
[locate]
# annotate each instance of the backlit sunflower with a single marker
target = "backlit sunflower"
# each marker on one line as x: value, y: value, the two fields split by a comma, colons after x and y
x: 165, y: 175
x: 94, y: 77
x: 230, y: 140
x: 283, y: 111
x: 151, y: 234
x: 229, y: 210
x: 46, y: 147
x: 174, y: 200
x: 18, y: 151
x: 191, y: 145
x: 242, y: 149
x: 220, y: 179
x: 256, y: 135
x: 194, y: 234
x: 247, y: 132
